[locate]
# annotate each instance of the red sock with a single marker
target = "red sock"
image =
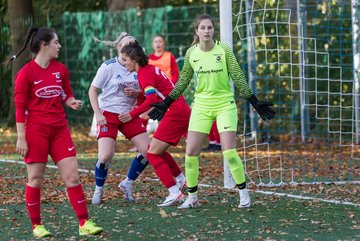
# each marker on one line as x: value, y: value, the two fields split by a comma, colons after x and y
x: 174, y: 168
x: 211, y: 136
x: 162, y: 169
x: 33, y: 204
x: 217, y: 136
x: 78, y: 202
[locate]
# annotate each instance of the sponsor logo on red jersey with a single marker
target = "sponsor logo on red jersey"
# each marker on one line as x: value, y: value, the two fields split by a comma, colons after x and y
x: 49, y: 91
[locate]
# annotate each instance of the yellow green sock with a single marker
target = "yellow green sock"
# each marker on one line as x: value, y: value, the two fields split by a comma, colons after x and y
x: 192, y: 170
x: 235, y: 165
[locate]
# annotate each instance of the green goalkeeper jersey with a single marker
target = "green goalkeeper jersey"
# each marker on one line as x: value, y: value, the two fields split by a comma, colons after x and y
x: 213, y: 70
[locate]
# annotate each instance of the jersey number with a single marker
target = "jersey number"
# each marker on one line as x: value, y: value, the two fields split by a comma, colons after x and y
x: 159, y: 72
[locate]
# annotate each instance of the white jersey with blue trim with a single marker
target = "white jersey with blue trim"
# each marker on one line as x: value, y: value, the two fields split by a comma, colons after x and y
x: 112, y: 78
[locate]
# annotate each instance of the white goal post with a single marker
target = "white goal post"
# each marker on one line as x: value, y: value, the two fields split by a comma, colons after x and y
x: 225, y: 9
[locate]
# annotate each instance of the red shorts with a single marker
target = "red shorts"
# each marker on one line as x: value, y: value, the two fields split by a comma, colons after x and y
x: 175, y: 123
x: 129, y: 129
x: 45, y: 140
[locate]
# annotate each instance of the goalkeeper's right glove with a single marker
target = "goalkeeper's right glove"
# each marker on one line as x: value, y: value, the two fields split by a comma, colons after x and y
x: 263, y: 108
x: 160, y: 108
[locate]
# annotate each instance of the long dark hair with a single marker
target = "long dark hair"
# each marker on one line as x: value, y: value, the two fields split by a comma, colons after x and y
x: 36, y: 36
x: 196, y: 24
x: 135, y: 52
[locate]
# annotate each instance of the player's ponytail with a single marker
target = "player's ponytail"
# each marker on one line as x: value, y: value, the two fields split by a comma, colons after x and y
x: 117, y: 42
x: 195, y: 40
x: 30, y: 33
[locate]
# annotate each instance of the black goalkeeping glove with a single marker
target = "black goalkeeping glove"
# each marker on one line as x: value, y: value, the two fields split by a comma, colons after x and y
x: 160, y: 108
x: 262, y: 108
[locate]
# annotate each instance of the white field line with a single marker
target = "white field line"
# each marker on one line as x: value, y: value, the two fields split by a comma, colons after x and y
x: 48, y: 165
x: 207, y: 185
x: 307, y: 198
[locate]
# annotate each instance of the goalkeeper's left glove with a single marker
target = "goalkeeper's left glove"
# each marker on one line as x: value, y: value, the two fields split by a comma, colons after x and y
x: 160, y: 108
x: 262, y: 108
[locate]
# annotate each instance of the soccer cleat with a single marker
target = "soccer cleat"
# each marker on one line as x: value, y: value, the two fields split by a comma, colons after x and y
x: 89, y: 228
x: 244, y: 198
x: 172, y: 199
x: 212, y: 147
x: 191, y: 201
x: 97, y: 197
x: 39, y: 231
x: 181, y: 184
x: 217, y: 147
x: 126, y: 187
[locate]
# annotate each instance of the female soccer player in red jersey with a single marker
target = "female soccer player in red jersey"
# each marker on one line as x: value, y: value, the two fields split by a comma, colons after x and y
x: 213, y: 62
x: 165, y: 61
x: 41, y: 88
x: 155, y: 86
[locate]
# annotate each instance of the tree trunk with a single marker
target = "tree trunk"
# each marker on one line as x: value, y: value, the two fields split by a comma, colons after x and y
x: 20, y: 14
x: 117, y: 5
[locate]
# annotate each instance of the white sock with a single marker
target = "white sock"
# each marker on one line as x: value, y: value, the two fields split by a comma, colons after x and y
x: 241, y: 191
x: 128, y: 181
x: 98, y: 188
x: 192, y: 195
x: 180, y: 177
x: 174, y: 190
x: 212, y: 142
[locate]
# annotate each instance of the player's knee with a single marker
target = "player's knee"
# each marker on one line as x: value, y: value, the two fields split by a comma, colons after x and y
x: 35, y: 180
x: 105, y: 157
x: 143, y: 149
x: 71, y: 180
x: 192, y: 151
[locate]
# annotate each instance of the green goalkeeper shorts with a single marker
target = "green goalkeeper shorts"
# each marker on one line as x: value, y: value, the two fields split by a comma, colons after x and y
x: 202, y: 119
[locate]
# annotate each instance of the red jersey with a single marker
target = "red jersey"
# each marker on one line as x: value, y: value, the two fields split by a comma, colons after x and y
x: 41, y: 92
x: 155, y: 86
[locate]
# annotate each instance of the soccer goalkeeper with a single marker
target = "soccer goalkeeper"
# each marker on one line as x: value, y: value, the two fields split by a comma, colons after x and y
x: 213, y: 62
